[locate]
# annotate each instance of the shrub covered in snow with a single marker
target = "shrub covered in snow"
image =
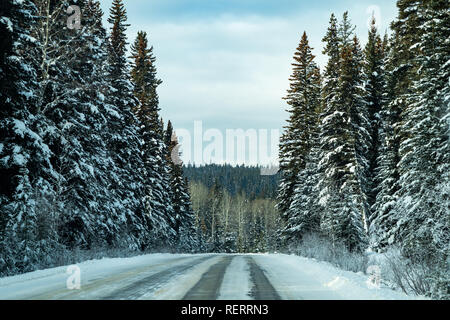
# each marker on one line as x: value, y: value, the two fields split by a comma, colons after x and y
x: 425, y: 276
x: 320, y: 248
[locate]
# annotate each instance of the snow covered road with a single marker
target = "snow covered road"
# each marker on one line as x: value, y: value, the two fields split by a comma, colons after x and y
x: 196, y: 277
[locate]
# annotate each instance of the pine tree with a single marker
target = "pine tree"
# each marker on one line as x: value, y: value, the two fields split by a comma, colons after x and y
x: 181, y: 200
x: 157, y: 176
x: 412, y: 204
x: 93, y: 67
x: 345, y: 31
x: 386, y: 173
x: 401, y: 72
x: 302, y: 97
x: 124, y: 140
x: 118, y: 41
x: 355, y: 92
x: 176, y: 175
x: 343, y: 136
x: 24, y: 156
x: 423, y: 204
x: 108, y: 217
x: 70, y: 106
x: 305, y: 211
x: 213, y: 227
x: 329, y: 119
x: 330, y: 77
x: 63, y: 119
x: 375, y: 87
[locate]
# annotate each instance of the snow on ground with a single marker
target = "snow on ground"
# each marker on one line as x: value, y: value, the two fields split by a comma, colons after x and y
x: 179, y: 285
x: 54, y: 280
x: 298, y: 278
x: 236, y: 283
x: 293, y: 278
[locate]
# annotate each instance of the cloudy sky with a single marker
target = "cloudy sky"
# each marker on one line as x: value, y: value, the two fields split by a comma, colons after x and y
x: 227, y: 62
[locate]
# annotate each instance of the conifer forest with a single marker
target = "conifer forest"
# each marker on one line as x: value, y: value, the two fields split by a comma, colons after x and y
x: 90, y: 169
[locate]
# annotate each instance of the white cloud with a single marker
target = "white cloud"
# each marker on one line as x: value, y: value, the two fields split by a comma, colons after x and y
x: 232, y: 71
x: 228, y: 68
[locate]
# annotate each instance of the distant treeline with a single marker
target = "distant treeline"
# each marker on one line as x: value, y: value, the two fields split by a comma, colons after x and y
x: 235, y: 179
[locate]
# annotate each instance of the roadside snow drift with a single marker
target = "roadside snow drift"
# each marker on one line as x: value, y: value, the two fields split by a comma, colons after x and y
x: 171, y: 276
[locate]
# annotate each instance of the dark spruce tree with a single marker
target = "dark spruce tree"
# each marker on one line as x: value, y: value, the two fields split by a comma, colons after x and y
x: 329, y: 119
x: 181, y: 200
x: 295, y: 141
x: 401, y: 72
x: 422, y: 208
x: 331, y: 74
x: 385, y: 172
x: 158, y: 195
x: 345, y: 31
x: 113, y: 226
x: 93, y: 67
x: 356, y: 95
x: 124, y: 139
x: 64, y: 117
x: 375, y: 86
x: 25, y: 166
x: 70, y: 104
x: 343, y: 144
x: 304, y: 100
x: 57, y: 98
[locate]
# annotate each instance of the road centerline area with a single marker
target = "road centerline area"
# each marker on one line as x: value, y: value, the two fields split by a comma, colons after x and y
x: 208, y: 287
x: 262, y: 288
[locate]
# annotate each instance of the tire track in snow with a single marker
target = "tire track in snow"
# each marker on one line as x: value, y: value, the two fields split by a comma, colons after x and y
x: 140, y: 287
x: 94, y: 288
x: 262, y: 288
x: 208, y: 288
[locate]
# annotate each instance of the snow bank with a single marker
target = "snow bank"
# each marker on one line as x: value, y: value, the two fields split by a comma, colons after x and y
x: 298, y: 278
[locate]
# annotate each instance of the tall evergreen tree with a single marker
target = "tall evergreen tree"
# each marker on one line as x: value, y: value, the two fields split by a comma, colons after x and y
x: 329, y: 116
x: 343, y: 131
x: 423, y: 204
x: 70, y: 102
x: 345, y: 31
x: 331, y: 74
x: 181, y: 200
x: 401, y: 72
x: 126, y: 229
x: 63, y: 118
x: 302, y: 97
x: 93, y: 67
x: 24, y: 157
x: 386, y: 173
x: 355, y: 92
x: 124, y: 140
x: 157, y: 177
x: 374, y: 59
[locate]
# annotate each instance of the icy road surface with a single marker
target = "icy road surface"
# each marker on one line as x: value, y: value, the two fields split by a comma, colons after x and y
x: 196, y: 277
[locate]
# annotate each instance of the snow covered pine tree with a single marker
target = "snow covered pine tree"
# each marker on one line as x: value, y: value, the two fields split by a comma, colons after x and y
x: 304, y: 100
